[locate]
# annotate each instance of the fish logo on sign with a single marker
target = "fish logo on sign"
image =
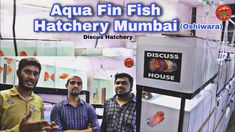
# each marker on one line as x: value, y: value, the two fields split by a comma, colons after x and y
x: 161, y: 65
x: 223, y: 12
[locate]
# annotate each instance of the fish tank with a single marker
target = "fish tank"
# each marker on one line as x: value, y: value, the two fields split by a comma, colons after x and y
x: 62, y: 75
x: 7, y: 70
x: 65, y: 48
x: 102, y: 89
x: 52, y: 74
x: 26, y: 47
x: 47, y: 76
x: 37, y: 48
x: 7, y: 48
x: 46, y: 48
x: 164, y: 111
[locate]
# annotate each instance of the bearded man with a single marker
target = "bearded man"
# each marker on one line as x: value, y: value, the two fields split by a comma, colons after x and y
x: 120, y: 111
x: 73, y: 114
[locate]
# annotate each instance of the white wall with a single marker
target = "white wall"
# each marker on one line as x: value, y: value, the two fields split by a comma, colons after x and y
x: 208, y: 19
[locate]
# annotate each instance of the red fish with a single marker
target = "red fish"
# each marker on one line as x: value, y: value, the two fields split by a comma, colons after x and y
x: 46, y: 76
x: 1, y: 53
x: 63, y: 75
x: 155, y: 119
x: 53, y: 77
x: 160, y: 113
x: 23, y: 53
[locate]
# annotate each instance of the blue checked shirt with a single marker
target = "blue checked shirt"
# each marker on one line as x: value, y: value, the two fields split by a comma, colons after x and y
x: 119, y: 119
x: 68, y: 117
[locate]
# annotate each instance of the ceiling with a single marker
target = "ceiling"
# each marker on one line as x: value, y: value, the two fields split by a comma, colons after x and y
x: 200, y: 2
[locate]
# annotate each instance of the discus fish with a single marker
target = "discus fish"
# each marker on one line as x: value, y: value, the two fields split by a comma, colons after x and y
x: 46, y: 76
x: 162, y: 65
x: 53, y: 77
x: 155, y: 119
x: 23, y: 53
x: 1, y: 53
x: 64, y: 75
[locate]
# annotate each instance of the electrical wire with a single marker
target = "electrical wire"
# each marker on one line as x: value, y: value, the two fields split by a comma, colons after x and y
x: 13, y: 28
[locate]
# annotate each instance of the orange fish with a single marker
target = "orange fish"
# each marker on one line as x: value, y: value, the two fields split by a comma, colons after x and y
x: 9, y: 69
x: 63, y: 75
x: 155, y: 119
x: 53, y: 77
x: 46, y: 76
x: 1, y: 69
x: 23, y: 53
x: 9, y: 60
x: 1, y: 53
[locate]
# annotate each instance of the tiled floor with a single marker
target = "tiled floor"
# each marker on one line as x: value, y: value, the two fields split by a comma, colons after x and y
x: 231, y: 124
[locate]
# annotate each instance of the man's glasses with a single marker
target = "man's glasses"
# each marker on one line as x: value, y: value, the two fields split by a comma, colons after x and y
x: 74, y: 82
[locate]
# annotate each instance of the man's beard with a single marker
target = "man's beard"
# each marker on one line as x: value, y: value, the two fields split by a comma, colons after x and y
x: 21, y: 82
x: 124, y: 94
x: 74, y: 95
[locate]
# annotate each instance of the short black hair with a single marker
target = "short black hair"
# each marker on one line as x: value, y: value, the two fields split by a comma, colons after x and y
x: 29, y: 62
x: 120, y: 75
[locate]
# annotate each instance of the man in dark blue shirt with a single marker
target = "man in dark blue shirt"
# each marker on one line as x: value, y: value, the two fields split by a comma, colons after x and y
x: 73, y: 113
x: 120, y: 111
